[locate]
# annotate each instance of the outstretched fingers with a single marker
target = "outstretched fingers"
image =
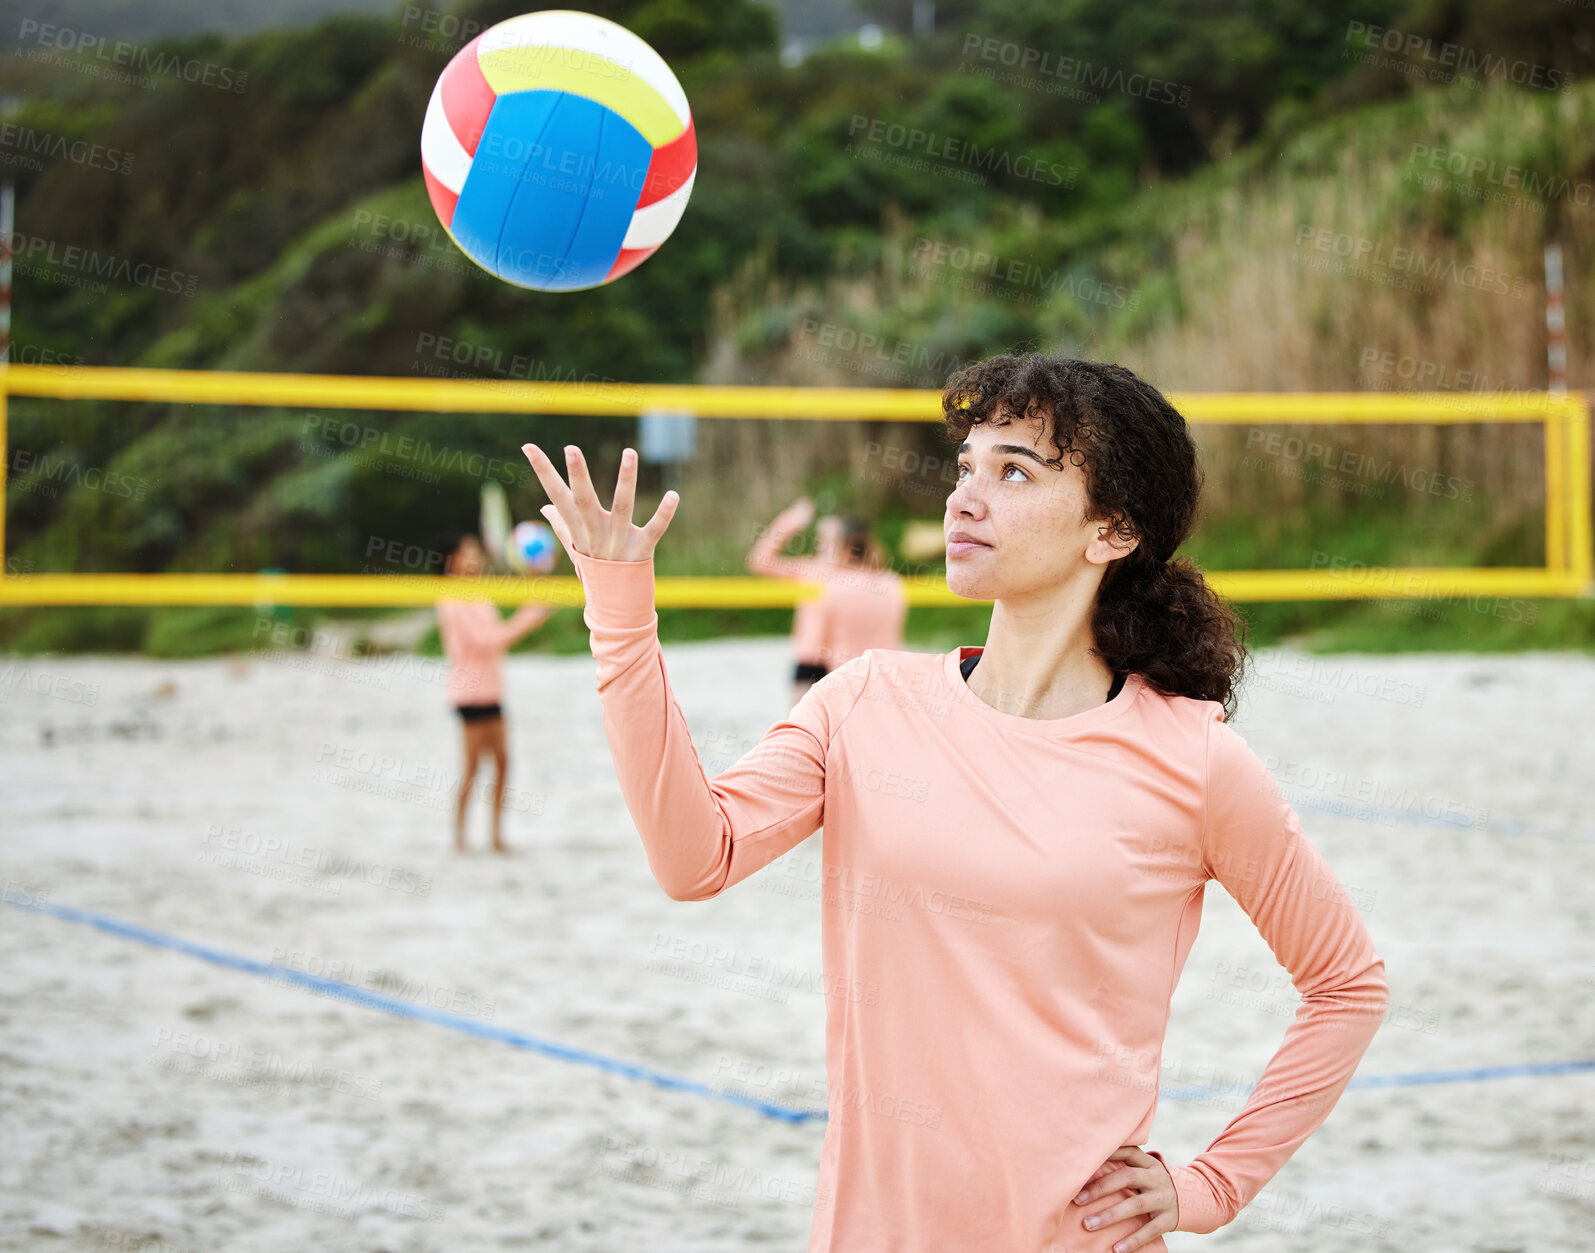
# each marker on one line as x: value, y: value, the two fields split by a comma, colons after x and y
x: 625, y: 490
x: 655, y: 526
x: 568, y: 519
x: 557, y: 524
x: 580, y: 521
x: 581, y: 487
x: 549, y: 477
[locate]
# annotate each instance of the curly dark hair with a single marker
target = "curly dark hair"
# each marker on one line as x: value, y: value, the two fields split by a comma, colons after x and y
x: 446, y: 545
x: 856, y: 534
x: 1154, y: 615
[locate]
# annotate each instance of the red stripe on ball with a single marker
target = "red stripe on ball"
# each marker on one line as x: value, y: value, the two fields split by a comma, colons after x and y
x: 443, y: 200
x: 628, y: 260
x: 467, y: 99
x: 671, y: 167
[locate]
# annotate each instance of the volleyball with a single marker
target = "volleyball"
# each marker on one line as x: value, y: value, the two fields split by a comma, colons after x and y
x: 558, y: 150
x: 531, y: 548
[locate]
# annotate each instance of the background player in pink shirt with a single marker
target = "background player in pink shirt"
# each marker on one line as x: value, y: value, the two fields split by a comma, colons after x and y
x: 1017, y: 839
x: 862, y: 605
x: 474, y: 640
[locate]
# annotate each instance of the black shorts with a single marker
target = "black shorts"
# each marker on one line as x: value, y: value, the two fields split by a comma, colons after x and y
x: 479, y: 713
x: 809, y: 671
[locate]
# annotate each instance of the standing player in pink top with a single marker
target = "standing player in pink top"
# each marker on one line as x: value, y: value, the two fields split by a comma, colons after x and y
x: 1018, y: 839
x: 862, y: 605
x: 475, y: 640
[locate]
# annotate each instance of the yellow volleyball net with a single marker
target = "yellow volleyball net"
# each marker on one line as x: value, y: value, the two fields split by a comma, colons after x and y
x: 1567, y: 571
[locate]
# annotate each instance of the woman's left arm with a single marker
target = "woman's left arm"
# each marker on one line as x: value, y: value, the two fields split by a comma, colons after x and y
x: 1252, y: 843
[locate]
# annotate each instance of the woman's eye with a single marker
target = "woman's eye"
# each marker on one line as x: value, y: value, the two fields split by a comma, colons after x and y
x: 1006, y: 468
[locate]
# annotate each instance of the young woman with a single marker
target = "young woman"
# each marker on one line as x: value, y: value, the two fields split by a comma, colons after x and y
x: 474, y: 640
x: 1017, y: 839
x: 862, y: 604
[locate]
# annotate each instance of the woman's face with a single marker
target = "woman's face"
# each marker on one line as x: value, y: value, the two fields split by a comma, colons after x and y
x: 1026, y: 519
x: 468, y: 559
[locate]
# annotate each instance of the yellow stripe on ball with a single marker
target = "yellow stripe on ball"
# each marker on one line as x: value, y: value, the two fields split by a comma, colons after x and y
x: 529, y: 68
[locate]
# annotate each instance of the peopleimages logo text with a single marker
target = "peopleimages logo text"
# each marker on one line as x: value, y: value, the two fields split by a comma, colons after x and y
x: 50, y: 254
x: 1358, y: 251
x: 131, y: 59
x: 961, y: 151
x: 1448, y: 58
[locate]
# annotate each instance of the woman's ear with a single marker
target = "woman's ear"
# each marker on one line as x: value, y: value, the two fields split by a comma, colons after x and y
x: 1110, y: 544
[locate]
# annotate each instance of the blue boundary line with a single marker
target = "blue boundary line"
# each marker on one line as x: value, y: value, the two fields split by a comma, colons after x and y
x: 562, y: 1052
x: 408, y: 1009
x: 1367, y: 811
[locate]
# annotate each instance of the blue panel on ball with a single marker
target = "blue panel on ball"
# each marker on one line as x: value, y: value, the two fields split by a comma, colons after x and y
x: 514, y: 129
x: 576, y: 199
x: 618, y: 177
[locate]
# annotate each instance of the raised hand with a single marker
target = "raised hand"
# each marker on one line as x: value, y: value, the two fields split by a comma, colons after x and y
x: 799, y: 512
x: 586, y: 527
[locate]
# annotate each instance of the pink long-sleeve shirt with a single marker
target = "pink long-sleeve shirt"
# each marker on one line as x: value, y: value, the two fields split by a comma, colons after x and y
x: 1008, y: 904
x: 858, y: 608
x: 475, y: 639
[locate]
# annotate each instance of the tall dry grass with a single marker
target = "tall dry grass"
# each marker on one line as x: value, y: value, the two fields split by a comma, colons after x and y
x: 1234, y: 299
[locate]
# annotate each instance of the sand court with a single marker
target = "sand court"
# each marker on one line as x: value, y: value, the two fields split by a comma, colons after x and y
x: 417, y: 1051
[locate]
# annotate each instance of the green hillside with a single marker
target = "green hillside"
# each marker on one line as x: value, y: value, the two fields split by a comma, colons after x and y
x: 294, y: 233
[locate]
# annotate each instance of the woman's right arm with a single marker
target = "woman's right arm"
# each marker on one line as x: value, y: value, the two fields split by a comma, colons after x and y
x: 702, y: 836
x: 765, y: 557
